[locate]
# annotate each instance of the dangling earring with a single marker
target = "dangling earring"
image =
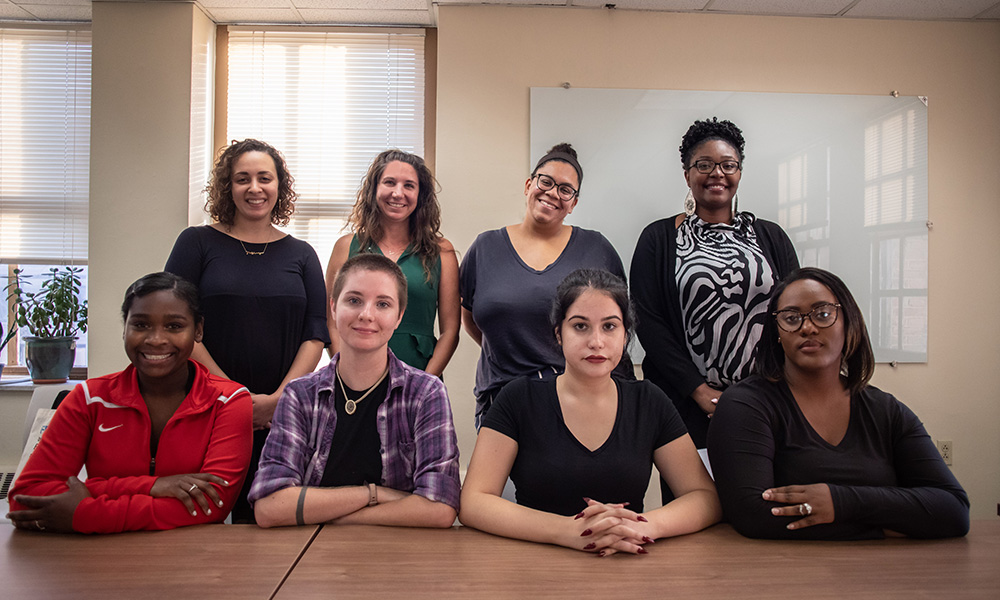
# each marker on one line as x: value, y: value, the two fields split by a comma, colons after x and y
x: 736, y: 203
x: 689, y: 203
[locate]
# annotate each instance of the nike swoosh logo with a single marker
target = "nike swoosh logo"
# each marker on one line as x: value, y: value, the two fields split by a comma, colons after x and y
x: 104, y: 429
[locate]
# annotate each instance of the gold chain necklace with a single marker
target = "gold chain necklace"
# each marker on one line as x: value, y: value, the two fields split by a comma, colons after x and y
x: 352, y: 405
x: 249, y: 253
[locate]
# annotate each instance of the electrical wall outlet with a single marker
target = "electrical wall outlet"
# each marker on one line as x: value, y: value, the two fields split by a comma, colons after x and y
x: 944, y: 447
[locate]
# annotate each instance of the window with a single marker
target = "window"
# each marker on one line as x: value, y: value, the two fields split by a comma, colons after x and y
x: 44, y: 156
x: 329, y: 101
x: 895, y: 197
x: 804, y: 203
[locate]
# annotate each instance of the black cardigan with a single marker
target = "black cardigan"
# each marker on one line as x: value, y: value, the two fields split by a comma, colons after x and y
x: 654, y: 291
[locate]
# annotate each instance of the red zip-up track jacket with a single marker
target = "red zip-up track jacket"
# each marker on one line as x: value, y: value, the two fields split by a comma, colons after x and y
x: 104, y: 424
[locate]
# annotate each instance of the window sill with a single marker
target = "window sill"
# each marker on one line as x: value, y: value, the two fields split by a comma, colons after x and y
x: 23, y: 383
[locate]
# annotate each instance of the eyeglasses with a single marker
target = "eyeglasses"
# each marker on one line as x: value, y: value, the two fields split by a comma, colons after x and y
x: 546, y: 183
x: 822, y: 316
x: 707, y: 166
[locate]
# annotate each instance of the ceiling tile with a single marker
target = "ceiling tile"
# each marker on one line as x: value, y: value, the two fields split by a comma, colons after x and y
x: 245, y: 3
x: 51, y: 12
x: 373, y: 5
x: 911, y: 9
x: 56, y: 2
x: 254, y: 15
x: 993, y: 13
x: 367, y: 17
x: 507, y: 2
x: 781, y: 7
x: 668, y: 5
x: 9, y: 11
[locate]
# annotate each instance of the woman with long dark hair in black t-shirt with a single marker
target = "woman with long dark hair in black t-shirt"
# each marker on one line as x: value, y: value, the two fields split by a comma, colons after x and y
x: 580, y: 447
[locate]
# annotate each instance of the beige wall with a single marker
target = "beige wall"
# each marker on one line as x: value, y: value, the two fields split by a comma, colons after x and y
x: 140, y: 141
x: 488, y: 58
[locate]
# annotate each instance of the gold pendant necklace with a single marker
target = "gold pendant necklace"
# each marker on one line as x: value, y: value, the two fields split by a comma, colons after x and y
x: 352, y: 405
x: 249, y: 253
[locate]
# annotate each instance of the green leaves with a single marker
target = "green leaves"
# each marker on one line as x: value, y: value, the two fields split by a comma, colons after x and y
x: 55, y: 310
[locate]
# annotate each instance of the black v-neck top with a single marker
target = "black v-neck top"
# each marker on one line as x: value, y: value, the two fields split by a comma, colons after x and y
x: 554, y: 471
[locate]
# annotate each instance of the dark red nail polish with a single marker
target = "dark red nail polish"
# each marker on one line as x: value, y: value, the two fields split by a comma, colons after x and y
x: 590, y: 546
x: 602, y: 553
x: 579, y: 516
x: 642, y: 519
x: 586, y: 532
x: 586, y: 499
x: 648, y: 539
x: 642, y: 551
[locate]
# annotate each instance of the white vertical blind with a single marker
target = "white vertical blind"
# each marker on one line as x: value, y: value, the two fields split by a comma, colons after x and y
x: 44, y: 145
x: 329, y: 101
x: 202, y: 103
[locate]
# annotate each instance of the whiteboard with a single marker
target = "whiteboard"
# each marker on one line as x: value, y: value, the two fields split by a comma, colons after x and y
x: 844, y: 175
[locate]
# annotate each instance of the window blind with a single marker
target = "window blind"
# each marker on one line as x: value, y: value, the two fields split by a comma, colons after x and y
x: 329, y: 101
x: 44, y: 145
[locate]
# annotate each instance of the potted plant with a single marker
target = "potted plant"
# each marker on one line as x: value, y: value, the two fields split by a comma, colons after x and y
x: 53, y: 315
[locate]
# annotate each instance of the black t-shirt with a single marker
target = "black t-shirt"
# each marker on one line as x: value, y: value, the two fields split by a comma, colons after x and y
x: 356, y: 450
x: 554, y: 472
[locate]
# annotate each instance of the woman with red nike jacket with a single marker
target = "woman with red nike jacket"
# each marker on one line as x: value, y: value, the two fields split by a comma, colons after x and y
x: 165, y: 443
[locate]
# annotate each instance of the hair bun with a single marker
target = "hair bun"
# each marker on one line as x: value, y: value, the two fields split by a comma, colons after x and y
x: 564, y: 147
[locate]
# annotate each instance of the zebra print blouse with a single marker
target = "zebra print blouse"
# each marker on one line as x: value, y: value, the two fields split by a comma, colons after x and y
x: 724, y: 283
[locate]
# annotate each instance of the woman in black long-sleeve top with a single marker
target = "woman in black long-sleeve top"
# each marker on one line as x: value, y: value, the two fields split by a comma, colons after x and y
x: 806, y: 449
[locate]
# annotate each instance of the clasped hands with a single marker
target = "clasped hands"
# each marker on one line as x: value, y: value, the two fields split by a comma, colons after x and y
x: 813, y: 502
x: 608, y: 528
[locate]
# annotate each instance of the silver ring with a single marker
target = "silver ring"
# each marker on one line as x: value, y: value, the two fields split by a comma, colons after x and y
x: 39, y: 526
x: 807, y: 508
x: 191, y: 489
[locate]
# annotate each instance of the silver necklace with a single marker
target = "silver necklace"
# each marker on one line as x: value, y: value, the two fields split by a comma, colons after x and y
x: 391, y: 253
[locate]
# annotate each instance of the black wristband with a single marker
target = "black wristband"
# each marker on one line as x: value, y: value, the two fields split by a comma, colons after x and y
x: 299, y: 519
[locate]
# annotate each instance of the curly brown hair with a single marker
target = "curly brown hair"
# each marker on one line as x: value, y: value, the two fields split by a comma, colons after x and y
x: 220, y: 203
x: 425, y: 221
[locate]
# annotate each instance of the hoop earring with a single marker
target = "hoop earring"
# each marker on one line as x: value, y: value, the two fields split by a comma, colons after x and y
x: 689, y: 203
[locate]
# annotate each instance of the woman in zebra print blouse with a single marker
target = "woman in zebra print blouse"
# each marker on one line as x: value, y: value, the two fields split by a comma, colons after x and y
x: 701, y: 280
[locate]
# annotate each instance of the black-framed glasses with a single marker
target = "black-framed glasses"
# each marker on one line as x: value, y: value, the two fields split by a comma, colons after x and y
x: 564, y: 190
x: 706, y: 166
x: 822, y: 316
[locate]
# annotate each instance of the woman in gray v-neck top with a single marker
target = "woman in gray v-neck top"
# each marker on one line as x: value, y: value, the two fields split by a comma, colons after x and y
x: 506, y: 301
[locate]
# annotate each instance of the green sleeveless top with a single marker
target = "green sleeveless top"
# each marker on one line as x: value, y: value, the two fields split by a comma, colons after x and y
x: 413, y: 342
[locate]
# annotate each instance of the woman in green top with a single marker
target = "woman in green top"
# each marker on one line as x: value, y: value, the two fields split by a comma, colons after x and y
x: 397, y: 215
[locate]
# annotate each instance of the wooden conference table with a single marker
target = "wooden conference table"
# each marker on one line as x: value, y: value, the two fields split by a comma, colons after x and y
x: 206, y: 561
x: 240, y: 561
